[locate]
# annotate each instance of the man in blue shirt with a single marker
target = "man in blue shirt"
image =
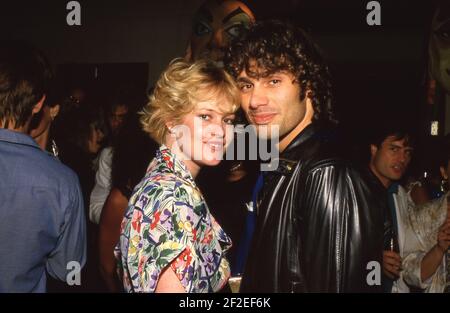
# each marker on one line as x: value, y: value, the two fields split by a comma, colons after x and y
x: 42, y: 223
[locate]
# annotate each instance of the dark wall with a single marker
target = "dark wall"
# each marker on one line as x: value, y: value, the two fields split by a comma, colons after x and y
x: 119, y: 31
x: 378, y: 70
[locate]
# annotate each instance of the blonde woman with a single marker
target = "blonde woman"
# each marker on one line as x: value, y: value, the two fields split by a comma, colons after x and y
x: 169, y: 240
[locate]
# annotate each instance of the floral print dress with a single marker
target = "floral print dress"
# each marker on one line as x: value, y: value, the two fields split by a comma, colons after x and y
x: 167, y: 223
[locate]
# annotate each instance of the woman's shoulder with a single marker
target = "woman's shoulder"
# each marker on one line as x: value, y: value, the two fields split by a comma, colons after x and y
x: 165, y: 192
x: 427, y: 218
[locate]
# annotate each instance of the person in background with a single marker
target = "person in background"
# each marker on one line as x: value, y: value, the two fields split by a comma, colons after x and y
x: 127, y: 171
x: 85, y: 132
x: 214, y: 26
x: 42, y: 223
x: 390, y: 154
x: 426, y: 262
x: 122, y: 104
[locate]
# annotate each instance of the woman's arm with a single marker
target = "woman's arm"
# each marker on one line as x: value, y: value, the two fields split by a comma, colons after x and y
x: 433, y: 258
x: 110, y: 220
x: 169, y: 282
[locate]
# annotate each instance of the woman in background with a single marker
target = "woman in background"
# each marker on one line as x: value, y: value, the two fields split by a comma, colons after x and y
x: 127, y: 170
x: 427, y: 261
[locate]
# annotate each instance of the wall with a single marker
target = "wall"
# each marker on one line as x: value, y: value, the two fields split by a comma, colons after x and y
x: 112, y: 31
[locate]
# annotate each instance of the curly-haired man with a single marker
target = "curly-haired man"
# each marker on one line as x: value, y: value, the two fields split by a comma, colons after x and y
x: 318, y: 226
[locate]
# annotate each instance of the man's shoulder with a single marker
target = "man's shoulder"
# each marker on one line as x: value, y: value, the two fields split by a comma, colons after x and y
x: 37, y: 165
x: 324, y: 147
x: 327, y: 155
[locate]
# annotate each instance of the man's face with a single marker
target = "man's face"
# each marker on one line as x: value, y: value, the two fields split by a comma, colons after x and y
x: 439, y: 47
x: 390, y: 161
x: 271, y: 101
x: 117, y: 117
x: 215, y: 25
x: 77, y: 95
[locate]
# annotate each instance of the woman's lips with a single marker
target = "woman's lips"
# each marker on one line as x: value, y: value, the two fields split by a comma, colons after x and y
x: 263, y: 118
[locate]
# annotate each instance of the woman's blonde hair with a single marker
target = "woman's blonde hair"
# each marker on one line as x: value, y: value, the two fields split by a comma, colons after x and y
x: 180, y: 87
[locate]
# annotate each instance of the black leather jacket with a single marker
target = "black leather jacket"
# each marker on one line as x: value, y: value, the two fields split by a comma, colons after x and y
x: 319, y: 223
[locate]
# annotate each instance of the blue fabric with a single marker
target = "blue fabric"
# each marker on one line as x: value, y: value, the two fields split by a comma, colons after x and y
x: 250, y: 223
x: 42, y: 223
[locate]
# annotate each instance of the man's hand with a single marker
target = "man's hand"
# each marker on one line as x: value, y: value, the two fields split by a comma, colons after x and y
x: 392, y: 264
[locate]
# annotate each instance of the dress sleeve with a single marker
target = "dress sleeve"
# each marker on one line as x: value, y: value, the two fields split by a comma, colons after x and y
x: 161, y: 236
x: 411, y: 270
x: 424, y: 226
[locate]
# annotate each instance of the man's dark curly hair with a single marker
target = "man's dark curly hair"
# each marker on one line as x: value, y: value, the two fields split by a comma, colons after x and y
x: 276, y: 46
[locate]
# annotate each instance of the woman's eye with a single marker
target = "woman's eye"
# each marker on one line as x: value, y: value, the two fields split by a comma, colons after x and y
x: 204, y: 117
x: 229, y: 121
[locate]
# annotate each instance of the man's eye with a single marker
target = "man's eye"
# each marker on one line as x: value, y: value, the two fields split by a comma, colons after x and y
x: 201, y: 29
x: 245, y: 87
x: 274, y: 82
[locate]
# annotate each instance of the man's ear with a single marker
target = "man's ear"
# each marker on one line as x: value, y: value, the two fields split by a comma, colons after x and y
x: 373, y: 150
x: 38, y: 106
x: 54, y: 111
x: 443, y: 172
x: 309, y: 114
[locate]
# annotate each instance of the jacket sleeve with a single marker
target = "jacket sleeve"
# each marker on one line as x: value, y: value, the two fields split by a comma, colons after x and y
x: 333, y: 256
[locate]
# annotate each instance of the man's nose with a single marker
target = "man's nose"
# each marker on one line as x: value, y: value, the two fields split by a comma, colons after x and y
x: 403, y: 157
x: 257, y: 98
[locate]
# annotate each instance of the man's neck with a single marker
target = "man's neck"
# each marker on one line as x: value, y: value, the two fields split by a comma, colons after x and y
x: 383, y: 180
x: 23, y: 129
x: 42, y: 139
x: 286, y: 140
